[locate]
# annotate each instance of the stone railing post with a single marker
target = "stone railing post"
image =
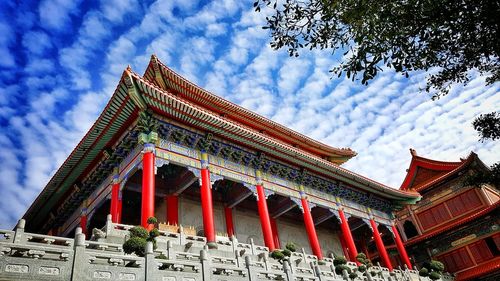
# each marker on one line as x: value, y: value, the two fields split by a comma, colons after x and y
x: 332, y: 268
x: 345, y: 275
x: 368, y: 275
x: 252, y: 245
x: 79, y: 257
x: 205, y: 265
x: 109, y: 225
x: 251, y: 273
x: 170, y: 250
x: 317, y: 271
x: 150, y: 266
x: 265, y: 258
x: 288, y: 271
x: 19, y: 232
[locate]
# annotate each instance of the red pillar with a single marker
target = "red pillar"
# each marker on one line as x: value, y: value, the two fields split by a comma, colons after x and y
x: 228, y: 213
x: 265, y: 222
x: 401, y: 247
x: 346, y: 233
x: 83, y: 223
x: 344, y: 246
x: 172, y: 202
x: 206, y: 203
x: 120, y: 205
x: 276, y: 237
x: 148, y: 185
x: 380, y: 246
x: 311, y: 230
x: 115, y: 189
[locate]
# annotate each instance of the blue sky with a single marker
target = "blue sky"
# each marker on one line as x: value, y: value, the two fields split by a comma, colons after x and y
x: 60, y: 62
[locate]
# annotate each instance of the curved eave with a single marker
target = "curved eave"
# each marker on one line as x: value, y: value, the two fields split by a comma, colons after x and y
x: 117, y: 113
x: 451, y: 169
x: 165, y: 78
x: 176, y: 107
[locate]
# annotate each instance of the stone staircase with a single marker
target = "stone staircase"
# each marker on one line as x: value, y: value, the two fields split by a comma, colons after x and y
x: 178, y: 257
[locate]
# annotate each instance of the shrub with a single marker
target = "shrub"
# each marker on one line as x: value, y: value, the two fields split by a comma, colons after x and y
x: 361, y: 256
x: 423, y: 272
x: 161, y: 257
x: 135, y: 245
x: 277, y: 255
x: 433, y: 269
x: 362, y: 268
x: 339, y: 261
x: 434, y: 275
x: 154, y: 233
x: 340, y: 268
x: 138, y: 231
x: 436, y: 266
x: 291, y: 247
x: 287, y: 252
x: 152, y: 220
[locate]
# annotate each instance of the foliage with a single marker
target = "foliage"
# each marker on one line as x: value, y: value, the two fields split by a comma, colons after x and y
x: 365, y: 263
x: 135, y: 245
x: 423, y: 272
x: 484, y: 177
x: 162, y: 257
x: 451, y: 36
x: 488, y: 126
x: 353, y: 275
x: 138, y: 231
x: 139, y: 236
x: 287, y: 252
x: 436, y: 266
x: 340, y: 264
x: 277, y: 255
x: 152, y: 220
x: 434, y: 275
x: 154, y: 233
x: 340, y: 268
x: 291, y: 246
x: 339, y: 261
x: 434, y: 269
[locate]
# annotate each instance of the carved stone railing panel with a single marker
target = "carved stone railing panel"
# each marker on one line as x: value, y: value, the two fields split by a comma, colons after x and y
x: 179, y: 257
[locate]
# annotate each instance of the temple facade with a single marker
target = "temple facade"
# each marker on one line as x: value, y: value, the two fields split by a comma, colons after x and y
x: 455, y: 223
x: 224, y: 182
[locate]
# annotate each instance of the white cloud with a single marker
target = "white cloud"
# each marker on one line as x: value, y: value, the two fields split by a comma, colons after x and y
x: 56, y: 14
x: 37, y: 42
x: 118, y: 10
x: 6, y: 57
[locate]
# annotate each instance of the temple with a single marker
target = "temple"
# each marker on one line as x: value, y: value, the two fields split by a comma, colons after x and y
x: 227, y: 185
x: 455, y: 223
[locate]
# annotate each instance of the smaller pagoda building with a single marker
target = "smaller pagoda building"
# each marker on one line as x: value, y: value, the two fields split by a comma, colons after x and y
x: 455, y: 223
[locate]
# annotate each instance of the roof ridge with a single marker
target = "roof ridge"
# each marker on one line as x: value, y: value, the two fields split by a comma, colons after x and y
x: 348, y: 152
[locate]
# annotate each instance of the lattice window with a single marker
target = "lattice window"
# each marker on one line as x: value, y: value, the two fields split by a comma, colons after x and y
x: 480, y: 251
x: 463, y: 203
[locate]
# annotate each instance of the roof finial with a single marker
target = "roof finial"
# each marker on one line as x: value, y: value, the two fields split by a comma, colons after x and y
x: 129, y: 68
x: 413, y: 152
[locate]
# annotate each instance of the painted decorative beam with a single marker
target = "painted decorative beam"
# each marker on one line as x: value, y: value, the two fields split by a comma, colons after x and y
x: 138, y: 188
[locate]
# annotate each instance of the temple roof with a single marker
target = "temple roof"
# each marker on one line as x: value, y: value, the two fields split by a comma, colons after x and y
x: 165, y: 78
x: 425, y: 172
x: 135, y: 93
